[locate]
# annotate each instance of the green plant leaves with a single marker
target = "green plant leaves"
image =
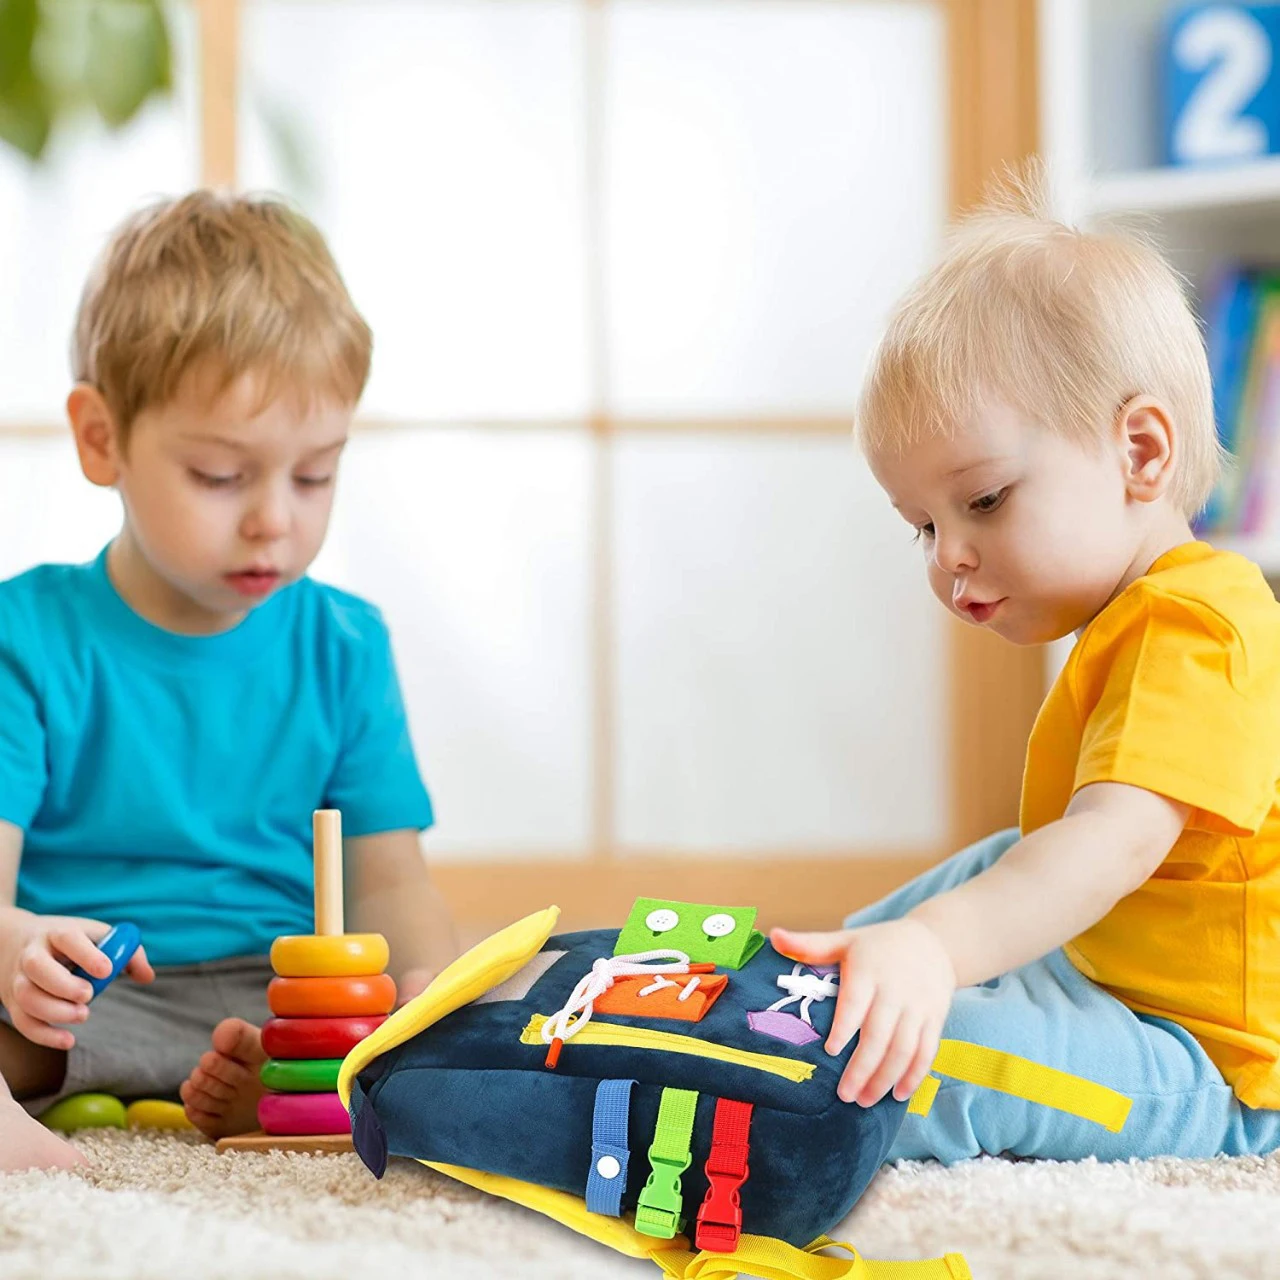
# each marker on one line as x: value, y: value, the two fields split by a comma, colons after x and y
x: 128, y: 57
x: 58, y: 57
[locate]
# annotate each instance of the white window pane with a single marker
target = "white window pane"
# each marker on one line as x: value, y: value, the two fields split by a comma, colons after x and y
x: 49, y: 513
x: 445, y: 141
x: 55, y: 218
x: 474, y: 545
x: 775, y: 176
x: 780, y: 655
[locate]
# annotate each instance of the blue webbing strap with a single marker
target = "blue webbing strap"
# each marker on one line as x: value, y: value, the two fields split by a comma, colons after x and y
x: 609, y: 1152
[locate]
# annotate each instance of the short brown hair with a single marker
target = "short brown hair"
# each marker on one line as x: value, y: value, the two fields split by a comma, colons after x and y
x: 236, y: 284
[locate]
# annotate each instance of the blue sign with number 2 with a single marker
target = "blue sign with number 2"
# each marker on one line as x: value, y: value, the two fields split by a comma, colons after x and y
x: 1221, y: 87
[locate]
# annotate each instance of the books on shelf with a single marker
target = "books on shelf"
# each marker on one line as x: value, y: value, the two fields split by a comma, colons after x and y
x: 1242, y: 333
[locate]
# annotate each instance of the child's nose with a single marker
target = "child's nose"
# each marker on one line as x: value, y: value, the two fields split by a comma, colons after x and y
x: 954, y: 553
x: 267, y: 518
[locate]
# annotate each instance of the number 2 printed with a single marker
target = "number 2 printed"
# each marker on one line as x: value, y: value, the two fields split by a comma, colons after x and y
x: 1237, y: 49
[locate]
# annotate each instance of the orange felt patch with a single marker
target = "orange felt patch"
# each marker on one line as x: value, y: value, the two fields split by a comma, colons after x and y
x: 624, y: 996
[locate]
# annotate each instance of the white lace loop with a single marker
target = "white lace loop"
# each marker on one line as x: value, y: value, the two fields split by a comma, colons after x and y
x: 805, y: 987
x: 576, y: 1012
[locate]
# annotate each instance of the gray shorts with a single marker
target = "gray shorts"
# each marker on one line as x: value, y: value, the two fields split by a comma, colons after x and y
x: 143, y: 1041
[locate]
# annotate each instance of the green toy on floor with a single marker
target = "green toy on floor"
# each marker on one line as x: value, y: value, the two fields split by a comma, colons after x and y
x: 103, y: 1111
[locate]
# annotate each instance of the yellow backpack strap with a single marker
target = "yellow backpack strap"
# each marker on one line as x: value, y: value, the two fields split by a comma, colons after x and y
x: 1007, y: 1073
x: 776, y: 1260
x: 922, y: 1100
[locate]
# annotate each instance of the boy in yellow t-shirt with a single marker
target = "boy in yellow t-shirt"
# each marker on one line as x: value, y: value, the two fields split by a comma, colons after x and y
x: 1040, y: 412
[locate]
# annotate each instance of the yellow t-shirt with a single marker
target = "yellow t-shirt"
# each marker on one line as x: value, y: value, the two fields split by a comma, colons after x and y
x: 1175, y: 687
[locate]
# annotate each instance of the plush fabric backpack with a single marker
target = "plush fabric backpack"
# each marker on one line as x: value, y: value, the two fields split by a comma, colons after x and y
x: 663, y: 1089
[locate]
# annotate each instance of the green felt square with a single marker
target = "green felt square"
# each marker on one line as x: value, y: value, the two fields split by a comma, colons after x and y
x: 704, y: 931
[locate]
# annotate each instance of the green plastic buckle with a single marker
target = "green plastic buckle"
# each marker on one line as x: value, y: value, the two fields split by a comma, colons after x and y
x: 670, y: 1154
x: 658, y: 1209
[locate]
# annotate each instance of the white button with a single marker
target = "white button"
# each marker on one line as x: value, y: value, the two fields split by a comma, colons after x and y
x: 662, y: 921
x: 608, y: 1167
x: 719, y: 926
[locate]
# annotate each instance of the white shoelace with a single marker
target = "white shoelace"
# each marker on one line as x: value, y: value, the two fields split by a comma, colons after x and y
x: 576, y: 1013
x: 805, y: 987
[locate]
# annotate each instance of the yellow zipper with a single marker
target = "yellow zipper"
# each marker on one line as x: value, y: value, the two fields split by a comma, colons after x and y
x: 646, y: 1038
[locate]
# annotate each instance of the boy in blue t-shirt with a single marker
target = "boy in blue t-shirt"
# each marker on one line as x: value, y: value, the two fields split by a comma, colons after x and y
x: 173, y: 712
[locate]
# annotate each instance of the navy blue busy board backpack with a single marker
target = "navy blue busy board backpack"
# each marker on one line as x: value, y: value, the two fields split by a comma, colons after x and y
x: 663, y: 1089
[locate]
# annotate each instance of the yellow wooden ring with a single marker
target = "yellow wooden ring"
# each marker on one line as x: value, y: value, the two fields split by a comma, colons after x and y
x: 153, y: 1113
x: 344, y: 955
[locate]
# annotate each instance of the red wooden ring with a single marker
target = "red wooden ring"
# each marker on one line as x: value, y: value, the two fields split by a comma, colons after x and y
x: 331, y: 997
x: 316, y: 1037
x: 291, y: 1114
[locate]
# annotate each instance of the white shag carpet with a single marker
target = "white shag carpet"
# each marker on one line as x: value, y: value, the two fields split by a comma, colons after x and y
x: 163, y: 1206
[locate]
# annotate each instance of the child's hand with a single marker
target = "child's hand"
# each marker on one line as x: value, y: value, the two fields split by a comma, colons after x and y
x: 896, y: 984
x: 37, y: 986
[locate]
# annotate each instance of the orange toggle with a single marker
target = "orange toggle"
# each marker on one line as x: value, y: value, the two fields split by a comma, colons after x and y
x: 624, y: 996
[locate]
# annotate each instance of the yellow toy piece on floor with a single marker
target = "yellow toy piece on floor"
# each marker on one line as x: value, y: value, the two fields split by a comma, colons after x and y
x: 155, y: 1113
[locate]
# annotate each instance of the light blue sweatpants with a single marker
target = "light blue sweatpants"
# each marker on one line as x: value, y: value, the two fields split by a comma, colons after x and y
x: 1048, y: 1011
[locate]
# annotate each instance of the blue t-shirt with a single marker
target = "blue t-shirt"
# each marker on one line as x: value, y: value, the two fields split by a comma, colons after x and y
x: 170, y: 779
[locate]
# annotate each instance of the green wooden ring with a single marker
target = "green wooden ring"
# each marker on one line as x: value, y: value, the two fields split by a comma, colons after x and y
x: 301, y: 1075
x: 85, y: 1111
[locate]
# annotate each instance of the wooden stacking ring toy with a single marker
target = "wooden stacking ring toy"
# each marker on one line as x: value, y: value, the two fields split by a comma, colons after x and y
x: 315, y: 956
x: 330, y: 992
x: 301, y: 1075
x: 329, y: 997
x: 316, y: 1037
x: 303, y: 1113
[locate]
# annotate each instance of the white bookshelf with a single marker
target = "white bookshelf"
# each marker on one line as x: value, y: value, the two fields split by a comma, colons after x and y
x: 1102, y: 143
x: 1208, y: 192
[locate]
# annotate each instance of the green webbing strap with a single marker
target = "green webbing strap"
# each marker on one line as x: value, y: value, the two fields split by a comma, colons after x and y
x: 658, y: 1209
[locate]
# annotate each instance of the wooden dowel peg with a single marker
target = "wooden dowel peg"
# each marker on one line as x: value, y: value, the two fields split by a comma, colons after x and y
x: 326, y: 828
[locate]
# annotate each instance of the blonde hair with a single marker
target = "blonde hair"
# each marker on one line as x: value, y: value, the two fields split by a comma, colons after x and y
x: 1062, y: 325
x: 232, y: 284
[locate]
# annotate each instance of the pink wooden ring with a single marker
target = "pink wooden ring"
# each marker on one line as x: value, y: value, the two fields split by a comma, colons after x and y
x: 290, y: 1114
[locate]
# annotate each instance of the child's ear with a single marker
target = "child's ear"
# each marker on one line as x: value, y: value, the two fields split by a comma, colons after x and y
x: 1146, y: 436
x: 97, y: 440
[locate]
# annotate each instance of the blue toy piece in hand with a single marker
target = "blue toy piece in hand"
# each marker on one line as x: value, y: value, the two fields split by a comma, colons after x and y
x: 118, y: 946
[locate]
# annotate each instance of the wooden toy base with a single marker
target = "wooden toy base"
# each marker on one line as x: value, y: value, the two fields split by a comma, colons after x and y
x: 319, y: 1144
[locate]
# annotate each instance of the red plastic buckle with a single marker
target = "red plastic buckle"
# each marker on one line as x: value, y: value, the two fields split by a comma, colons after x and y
x: 720, y: 1216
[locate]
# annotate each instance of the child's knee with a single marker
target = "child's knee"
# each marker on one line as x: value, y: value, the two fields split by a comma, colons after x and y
x: 983, y: 1016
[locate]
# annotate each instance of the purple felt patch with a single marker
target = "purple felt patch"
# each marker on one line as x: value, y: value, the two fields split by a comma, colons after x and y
x: 782, y: 1026
x: 824, y: 970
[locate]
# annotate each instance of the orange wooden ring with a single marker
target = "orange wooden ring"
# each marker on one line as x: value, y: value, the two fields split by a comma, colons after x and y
x: 331, y: 997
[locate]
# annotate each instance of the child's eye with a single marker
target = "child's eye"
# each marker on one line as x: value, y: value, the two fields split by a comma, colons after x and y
x: 313, y: 482
x: 924, y: 531
x: 989, y: 501
x: 213, y: 481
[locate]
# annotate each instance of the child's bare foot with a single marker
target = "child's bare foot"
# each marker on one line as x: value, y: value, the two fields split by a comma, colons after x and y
x: 26, y: 1144
x: 221, y: 1095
